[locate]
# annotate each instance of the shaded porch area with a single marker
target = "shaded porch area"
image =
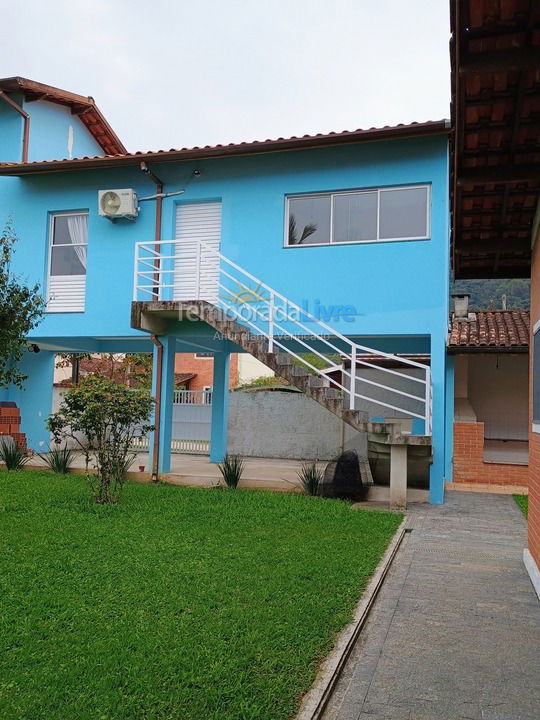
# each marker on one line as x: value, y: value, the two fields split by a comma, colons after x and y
x: 491, y: 381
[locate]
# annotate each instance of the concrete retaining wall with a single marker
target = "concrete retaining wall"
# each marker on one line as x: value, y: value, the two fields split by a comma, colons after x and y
x: 287, y: 425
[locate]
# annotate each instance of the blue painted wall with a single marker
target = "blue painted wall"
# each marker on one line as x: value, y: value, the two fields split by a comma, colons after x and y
x: 49, y: 132
x: 49, y: 128
x: 11, y: 131
x: 397, y: 288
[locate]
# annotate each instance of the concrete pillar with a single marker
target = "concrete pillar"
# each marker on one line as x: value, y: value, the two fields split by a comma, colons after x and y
x: 36, y: 398
x: 167, y: 397
x: 398, y: 477
x: 449, y: 415
x: 220, y: 407
x: 439, y: 422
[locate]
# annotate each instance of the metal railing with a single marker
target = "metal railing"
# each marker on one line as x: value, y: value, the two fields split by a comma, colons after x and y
x: 192, y: 397
x: 287, y: 328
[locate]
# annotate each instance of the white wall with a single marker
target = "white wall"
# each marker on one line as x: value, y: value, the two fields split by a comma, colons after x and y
x: 250, y: 368
x: 498, y: 393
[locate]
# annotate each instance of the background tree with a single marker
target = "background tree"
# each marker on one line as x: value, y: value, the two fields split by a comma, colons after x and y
x: 21, y: 309
x: 102, y: 417
x: 488, y: 294
x: 131, y: 369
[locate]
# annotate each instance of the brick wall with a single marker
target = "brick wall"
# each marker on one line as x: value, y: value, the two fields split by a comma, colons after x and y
x: 534, y: 497
x: 10, y: 424
x: 469, y: 465
x: 534, y: 438
x: 204, y: 369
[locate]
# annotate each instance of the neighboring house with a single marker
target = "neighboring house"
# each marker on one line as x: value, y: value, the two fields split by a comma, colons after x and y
x: 491, y: 388
x: 243, y: 368
x: 321, y: 244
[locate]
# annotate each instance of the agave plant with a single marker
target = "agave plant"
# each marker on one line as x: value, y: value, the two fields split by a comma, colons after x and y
x: 311, y: 477
x: 59, y: 459
x: 12, y: 455
x: 231, y: 468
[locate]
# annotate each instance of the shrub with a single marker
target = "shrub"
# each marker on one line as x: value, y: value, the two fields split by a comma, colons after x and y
x: 103, y: 417
x: 59, y: 459
x: 13, y: 456
x: 311, y: 477
x: 231, y: 468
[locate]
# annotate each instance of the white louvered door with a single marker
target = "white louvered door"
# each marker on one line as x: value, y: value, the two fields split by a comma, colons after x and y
x: 196, y: 263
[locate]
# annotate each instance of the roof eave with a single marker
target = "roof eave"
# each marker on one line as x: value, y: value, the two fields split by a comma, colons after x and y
x: 486, y: 349
x: 439, y: 127
x: 79, y: 105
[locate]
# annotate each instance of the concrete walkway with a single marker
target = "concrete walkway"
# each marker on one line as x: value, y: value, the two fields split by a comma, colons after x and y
x: 455, y: 631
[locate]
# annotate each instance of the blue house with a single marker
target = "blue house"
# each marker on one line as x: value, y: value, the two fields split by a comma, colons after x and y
x: 322, y: 247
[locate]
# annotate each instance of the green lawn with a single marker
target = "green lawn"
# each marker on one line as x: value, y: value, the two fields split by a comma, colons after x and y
x: 523, y: 502
x: 178, y: 603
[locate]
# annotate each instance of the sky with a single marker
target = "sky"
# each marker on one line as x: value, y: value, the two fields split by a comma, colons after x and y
x: 179, y: 73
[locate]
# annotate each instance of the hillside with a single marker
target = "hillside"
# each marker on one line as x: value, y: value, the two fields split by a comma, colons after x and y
x: 488, y: 294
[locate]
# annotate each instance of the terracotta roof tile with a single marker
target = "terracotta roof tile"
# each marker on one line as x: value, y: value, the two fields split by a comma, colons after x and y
x: 430, y: 127
x: 490, y: 329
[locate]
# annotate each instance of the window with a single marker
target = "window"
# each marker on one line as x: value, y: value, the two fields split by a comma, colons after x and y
x: 68, y: 241
x: 384, y: 214
x: 536, y: 379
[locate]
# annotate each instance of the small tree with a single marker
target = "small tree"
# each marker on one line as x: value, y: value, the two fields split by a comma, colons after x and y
x: 103, y: 417
x: 21, y: 309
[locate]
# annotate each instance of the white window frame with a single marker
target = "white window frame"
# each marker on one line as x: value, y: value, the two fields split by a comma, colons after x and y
x: 51, y: 244
x: 340, y: 193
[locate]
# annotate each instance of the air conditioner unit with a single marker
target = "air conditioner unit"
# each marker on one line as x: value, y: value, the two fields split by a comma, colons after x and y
x: 114, y: 204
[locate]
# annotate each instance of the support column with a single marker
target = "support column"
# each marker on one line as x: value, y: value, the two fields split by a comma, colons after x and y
x: 167, y: 397
x: 35, y: 400
x: 439, y: 424
x: 220, y: 407
x: 449, y: 414
x: 398, y: 477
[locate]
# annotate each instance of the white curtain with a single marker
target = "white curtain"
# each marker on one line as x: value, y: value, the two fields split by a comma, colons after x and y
x: 78, y: 232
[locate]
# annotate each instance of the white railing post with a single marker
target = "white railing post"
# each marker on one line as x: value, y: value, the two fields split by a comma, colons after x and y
x: 271, y: 324
x: 199, y: 271
x: 135, y: 271
x: 352, y: 380
x: 427, y: 426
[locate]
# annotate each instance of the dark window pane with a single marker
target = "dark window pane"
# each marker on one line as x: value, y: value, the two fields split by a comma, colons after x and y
x: 309, y: 220
x: 403, y: 213
x: 68, y: 260
x: 70, y: 229
x: 355, y: 217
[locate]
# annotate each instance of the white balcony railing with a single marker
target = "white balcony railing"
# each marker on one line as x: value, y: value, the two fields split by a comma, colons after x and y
x: 404, y: 388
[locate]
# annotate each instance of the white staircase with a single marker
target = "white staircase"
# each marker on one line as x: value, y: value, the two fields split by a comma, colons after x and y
x: 287, y: 338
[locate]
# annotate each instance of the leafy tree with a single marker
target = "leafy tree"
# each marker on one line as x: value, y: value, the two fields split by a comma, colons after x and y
x: 488, y: 294
x: 131, y: 369
x: 21, y: 309
x: 293, y: 231
x: 102, y: 417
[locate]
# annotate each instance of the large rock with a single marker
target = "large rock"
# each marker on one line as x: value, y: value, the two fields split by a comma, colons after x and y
x: 342, y: 478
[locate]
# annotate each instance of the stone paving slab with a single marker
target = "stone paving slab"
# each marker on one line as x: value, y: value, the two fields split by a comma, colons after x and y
x: 455, y: 631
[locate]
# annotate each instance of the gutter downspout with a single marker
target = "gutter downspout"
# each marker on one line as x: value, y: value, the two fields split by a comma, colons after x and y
x: 157, y: 409
x: 159, y: 370
x: 26, y: 118
x: 159, y: 212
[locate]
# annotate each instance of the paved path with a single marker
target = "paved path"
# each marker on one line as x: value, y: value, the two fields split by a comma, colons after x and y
x: 455, y: 631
